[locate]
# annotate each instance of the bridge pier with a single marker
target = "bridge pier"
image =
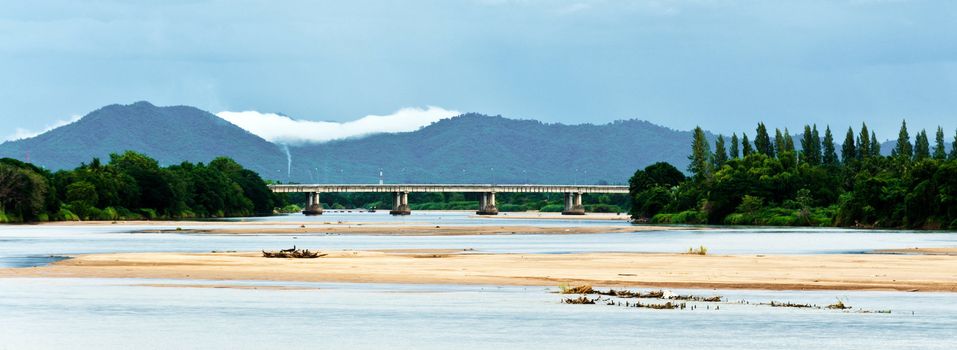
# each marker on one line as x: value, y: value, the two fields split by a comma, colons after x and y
x: 400, y: 204
x: 487, y: 204
x: 313, y: 206
x: 573, y: 204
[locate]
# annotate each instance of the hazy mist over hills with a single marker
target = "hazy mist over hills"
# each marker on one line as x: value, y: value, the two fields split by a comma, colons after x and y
x: 468, y: 148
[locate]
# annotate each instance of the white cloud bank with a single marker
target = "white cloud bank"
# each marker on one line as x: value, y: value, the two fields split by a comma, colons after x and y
x: 21, y: 133
x: 282, y: 129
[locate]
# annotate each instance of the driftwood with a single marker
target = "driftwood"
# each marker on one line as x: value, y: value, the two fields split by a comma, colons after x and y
x: 293, y: 253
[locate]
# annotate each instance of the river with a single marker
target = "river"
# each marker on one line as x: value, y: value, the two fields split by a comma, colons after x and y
x: 41, y: 313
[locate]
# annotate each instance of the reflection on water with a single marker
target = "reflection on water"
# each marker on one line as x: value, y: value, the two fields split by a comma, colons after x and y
x: 91, y: 313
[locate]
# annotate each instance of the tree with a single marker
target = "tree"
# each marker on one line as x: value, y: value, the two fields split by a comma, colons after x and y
x: 863, y: 143
x: 903, y: 149
x: 700, y: 155
x: 875, y: 146
x: 953, y: 147
x: 921, y: 146
x: 778, y: 142
x: 762, y: 141
x: 940, y: 153
x: 829, y: 155
x: 22, y: 191
x: 848, y: 151
x: 810, y: 146
x: 734, y: 146
x: 720, y: 155
x: 746, y: 149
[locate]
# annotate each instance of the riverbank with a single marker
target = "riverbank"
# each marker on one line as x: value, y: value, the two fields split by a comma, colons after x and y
x: 658, y: 270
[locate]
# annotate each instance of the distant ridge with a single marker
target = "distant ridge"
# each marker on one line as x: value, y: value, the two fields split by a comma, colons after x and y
x: 480, y: 148
x: 468, y: 148
x: 169, y: 134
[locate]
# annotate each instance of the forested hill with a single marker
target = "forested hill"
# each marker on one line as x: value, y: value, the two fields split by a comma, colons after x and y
x: 484, y: 149
x: 168, y: 134
x: 468, y: 148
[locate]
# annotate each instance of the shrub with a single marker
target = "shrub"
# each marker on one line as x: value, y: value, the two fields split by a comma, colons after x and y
x: 148, y: 213
x: 603, y: 208
x: 65, y: 214
x: 512, y: 208
x: 552, y: 208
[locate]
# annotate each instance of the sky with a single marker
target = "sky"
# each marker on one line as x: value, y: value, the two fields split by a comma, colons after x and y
x: 723, y: 65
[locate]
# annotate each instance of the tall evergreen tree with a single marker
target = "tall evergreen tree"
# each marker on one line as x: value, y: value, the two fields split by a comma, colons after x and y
x: 953, y: 147
x: 939, y: 151
x: 848, y: 151
x: 903, y: 148
x: 806, y: 145
x: 863, y: 143
x: 734, y: 146
x: 746, y: 149
x: 778, y: 142
x: 875, y: 146
x: 921, y: 146
x: 816, y: 143
x: 720, y: 154
x: 762, y: 141
x: 829, y: 156
x: 788, y: 142
x: 700, y: 155
x: 811, y: 146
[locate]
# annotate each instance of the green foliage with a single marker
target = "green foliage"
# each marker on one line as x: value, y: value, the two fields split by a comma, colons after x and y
x: 700, y: 156
x: 99, y: 191
x: 720, y: 154
x: 601, y: 208
x: 921, y: 146
x: 829, y: 154
x: 513, y: 208
x: 552, y: 208
x: 746, y: 149
x: 865, y: 190
x: 940, y: 152
x: 691, y: 217
x: 735, y: 149
x: 762, y: 141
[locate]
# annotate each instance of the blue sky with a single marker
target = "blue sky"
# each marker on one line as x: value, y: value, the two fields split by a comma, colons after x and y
x: 724, y: 65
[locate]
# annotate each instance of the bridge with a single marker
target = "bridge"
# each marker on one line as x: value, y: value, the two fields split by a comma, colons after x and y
x: 400, y: 194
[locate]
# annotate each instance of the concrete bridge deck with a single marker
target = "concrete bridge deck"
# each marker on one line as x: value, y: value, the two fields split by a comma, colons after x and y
x: 573, y: 193
x: 477, y: 188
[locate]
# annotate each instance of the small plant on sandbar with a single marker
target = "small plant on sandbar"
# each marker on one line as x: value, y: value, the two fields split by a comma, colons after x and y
x: 565, y: 288
x: 702, y: 250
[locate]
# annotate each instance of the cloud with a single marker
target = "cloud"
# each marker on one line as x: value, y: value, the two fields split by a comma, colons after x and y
x: 20, y: 133
x: 282, y: 129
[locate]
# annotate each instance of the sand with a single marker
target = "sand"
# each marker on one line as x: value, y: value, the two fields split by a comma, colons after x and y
x: 665, y: 270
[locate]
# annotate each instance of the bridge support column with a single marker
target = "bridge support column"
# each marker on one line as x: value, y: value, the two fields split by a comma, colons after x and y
x: 573, y: 204
x: 400, y: 204
x: 313, y: 206
x: 487, y: 204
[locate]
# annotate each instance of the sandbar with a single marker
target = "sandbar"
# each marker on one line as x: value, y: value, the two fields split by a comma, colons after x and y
x: 897, y: 272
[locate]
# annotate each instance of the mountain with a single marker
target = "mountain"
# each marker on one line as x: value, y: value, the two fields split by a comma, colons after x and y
x: 468, y: 148
x: 484, y: 149
x: 168, y: 134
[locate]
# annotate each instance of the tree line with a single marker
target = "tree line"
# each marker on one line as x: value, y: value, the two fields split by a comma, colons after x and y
x: 768, y: 181
x: 132, y: 186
